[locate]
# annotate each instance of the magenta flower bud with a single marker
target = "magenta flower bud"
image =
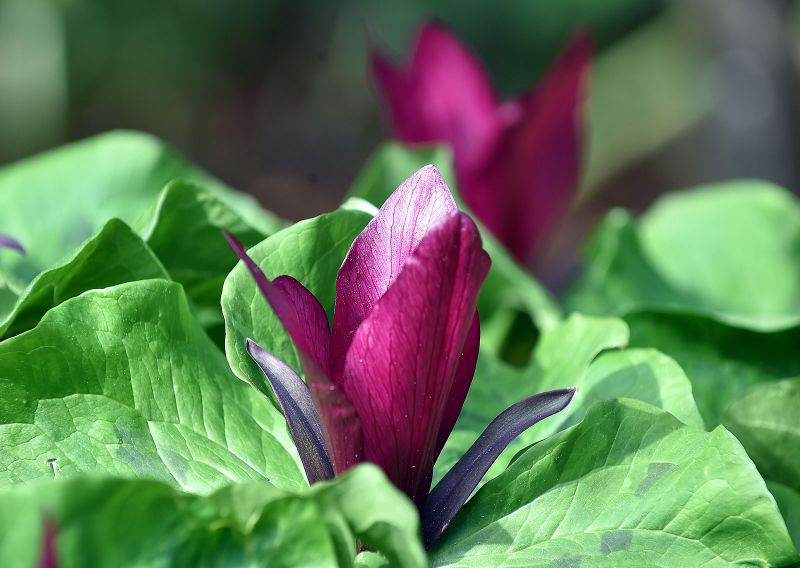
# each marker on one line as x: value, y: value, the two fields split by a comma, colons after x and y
x: 386, y: 383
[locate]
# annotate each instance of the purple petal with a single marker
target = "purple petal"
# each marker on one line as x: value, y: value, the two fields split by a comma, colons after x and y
x: 401, y: 367
x: 301, y: 314
x: 301, y: 415
x: 445, y: 96
x: 455, y: 488
x: 7, y: 241
x: 304, y: 319
x: 378, y: 254
x: 47, y: 558
x: 394, y: 85
x: 461, y: 383
x: 527, y: 187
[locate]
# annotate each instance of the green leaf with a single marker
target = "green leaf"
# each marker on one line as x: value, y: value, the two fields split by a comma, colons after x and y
x: 186, y: 235
x: 560, y: 359
x: 617, y: 278
x: 789, y: 504
x: 568, y: 356
x: 642, y: 374
x: 736, y: 248
x: 312, y: 252
x: 54, y: 201
x: 722, y: 360
x: 378, y: 514
x: 508, y: 291
x: 731, y: 251
x: 497, y: 385
x: 114, y: 255
x: 766, y: 420
x: 629, y: 486
x: 115, y: 522
x: 124, y: 381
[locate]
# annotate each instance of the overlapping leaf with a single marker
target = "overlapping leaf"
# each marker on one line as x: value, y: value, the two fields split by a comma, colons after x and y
x: 567, y: 356
x: 115, y: 255
x: 722, y: 360
x: 124, y: 381
x: 629, y: 486
x: 54, y: 201
x: 185, y: 232
x: 767, y: 422
x: 125, y: 523
x: 730, y: 251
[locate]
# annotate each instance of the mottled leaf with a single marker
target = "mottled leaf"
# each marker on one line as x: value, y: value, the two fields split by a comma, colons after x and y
x: 124, y: 381
x: 629, y: 486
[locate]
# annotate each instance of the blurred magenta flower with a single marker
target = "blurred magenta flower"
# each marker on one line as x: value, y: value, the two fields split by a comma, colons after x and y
x: 517, y: 162
x: 387, y: 382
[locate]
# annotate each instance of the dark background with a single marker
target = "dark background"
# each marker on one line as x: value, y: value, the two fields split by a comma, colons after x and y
x: 273, y: 97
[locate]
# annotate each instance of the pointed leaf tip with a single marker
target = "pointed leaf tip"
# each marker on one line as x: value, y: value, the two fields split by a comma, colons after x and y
x: 454, y: 489
x: 7, y: 241
x: 301, y: 415
x: 298, y: 310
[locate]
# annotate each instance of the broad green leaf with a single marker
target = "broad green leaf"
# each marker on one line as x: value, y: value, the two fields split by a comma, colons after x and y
x: 617, y: 278
x: 509, y: 290
x: 561, y: 359
x: 116, y: 522
x: 568, y: 356
x: 721, y: 360
x: 789, y: 504
x: 186, y: 235
x: 731, y: 251
x: 629, y: 486
x: 54, y: 201
x: 114, y: 255
x: 312, y: 252
x: 642, y: 374
x: 734, y: 246
x: 766, y: 420
x: 124, y: 381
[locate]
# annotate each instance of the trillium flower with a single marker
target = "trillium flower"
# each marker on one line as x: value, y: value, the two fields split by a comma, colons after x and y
x: 12, y: 243
x: 517, y: 162
x: 386, y: 382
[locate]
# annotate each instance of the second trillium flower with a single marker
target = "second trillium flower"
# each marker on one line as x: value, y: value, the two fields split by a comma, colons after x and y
x: 517, y: 162
x: 386, y: 383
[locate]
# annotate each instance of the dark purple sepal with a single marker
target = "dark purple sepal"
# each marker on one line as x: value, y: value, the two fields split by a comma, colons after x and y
x: 12, y: 243
x: 454, y: 489
x: 301, y: 415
